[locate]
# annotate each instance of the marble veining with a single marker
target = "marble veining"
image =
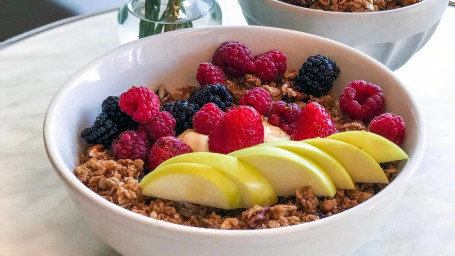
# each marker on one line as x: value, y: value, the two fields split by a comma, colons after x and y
x: 39, y: 218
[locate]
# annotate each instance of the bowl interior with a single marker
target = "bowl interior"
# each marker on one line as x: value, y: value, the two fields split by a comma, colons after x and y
x: 172, y: 59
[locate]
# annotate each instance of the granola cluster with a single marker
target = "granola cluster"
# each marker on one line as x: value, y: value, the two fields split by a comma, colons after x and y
x: 352, y: 5
x: 118, y: 180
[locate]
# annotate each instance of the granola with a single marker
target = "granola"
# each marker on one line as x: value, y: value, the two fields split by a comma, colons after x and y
x: 352, y: 5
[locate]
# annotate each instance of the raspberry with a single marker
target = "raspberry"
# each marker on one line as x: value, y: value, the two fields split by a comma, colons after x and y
x: 317, y: 74
x: 258, y: 98
x: 140, y: 103
x: 268, y: 66
x: 103, y: 131
x: 207, y: 73
x: 284, y: 115
x: 362, y: 100
x: 239, y: 128
x: 313, y: 121
x: 162, y: 125
x: 206, y: 118
x: 232, y: 58
x: 389, y: 126
x: 183, y: 112
x: 165, y: 148
x: 131, y: 145
x: 216, y: 93
x: 112, y: 109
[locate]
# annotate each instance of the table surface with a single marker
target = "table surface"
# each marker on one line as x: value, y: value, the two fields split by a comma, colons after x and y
x: 39, y: 219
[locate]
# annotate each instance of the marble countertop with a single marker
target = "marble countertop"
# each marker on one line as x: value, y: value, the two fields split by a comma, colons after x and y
x: 39, y: 218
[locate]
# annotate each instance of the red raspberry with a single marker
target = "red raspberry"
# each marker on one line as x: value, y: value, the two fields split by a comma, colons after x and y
x: 239, y: 128
x: 258, y: 98
x: 313, y: 121
x: 162, y: 125
x: 206, y: 118
x: 131, y: 145
x: 269, y: 66
x: 207, y: 73
x: 284, y: 115
x: 165, y: 148
x: 279, y: 59
x: 232, y: 58
x: 389, y: 126
x: 140, y: 103
x: 362, y: 100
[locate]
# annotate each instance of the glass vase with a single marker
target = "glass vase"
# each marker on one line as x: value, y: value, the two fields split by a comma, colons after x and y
x: 142, y: 18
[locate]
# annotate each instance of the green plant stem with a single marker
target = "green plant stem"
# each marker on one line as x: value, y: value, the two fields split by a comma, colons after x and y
x: 165, y: 22
x: 151, y: 12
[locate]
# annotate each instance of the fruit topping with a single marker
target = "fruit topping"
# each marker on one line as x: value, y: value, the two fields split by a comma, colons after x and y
x: 194, y: 183
x: 103, y: 131
x: 268, y: 66
x: 258, y: 98
x: 207, y: 73
x: 313, y: 121
x: 390, y: 126
x: 360, y: 165
x: 267, y: 170
x: 108, y: 124
x: 233, y: 58
x: 206, y: 118
x: 216, y: 93
x: 317, y: 74
x: 113, y: 111
x: 162, y: 125
x: 239, y: 128
x: 183, y: 112
x: 131, y: 145
x: 362, y: 100
x: 378, y: 147
x: 284, y: 115
x: 140, y: 103
x: 165, y: 148
x: 327, y: 162
x: 254, y: 188
x: 287, y: 171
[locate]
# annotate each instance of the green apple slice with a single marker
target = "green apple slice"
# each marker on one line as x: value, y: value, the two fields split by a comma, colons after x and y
x: 360, y: 165
x: 337, y: 172
x: 194, y: 183
x: 287, y: 171
x: 254, y: 187
x: 378, y: 147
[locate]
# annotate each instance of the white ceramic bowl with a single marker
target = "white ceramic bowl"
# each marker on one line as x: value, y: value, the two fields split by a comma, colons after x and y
x: 391, y: 37
x: 172, y: 58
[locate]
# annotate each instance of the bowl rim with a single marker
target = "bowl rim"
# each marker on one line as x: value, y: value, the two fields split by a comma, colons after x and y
x: 73, y: 184
x: 279, y: 5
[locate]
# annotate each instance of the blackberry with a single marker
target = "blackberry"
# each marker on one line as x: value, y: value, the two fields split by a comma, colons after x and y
x: 317, y: 75
x: 215, y: 93
x: 122, y: 120
x: 103, y: 131
x: 109, y: 124
x: 183, y: 112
